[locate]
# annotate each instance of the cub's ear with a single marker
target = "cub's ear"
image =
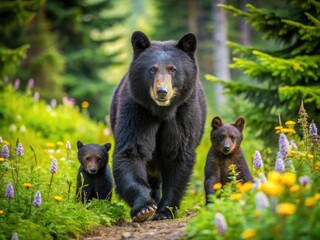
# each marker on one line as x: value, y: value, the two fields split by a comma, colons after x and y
x: 139, y: 42
x: 216, y: 122
x: 188, y: 43
x: 107, y: 146
x: 79, y: 144
x: 240, y: 122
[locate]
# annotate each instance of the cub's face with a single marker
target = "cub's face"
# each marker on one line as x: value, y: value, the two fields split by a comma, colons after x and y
x: 159, y: 69
x: 226, y: 138
x: 93, y: 157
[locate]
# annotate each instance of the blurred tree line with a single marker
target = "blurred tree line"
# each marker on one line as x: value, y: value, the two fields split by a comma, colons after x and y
x: 81, y: 49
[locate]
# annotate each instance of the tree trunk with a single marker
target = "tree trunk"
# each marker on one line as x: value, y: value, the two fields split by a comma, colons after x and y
x: 192, y: 16
x: 245, y: 27
x: 221, y: 52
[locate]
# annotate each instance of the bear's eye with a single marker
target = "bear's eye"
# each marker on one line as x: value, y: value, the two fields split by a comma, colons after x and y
x: 153, y: 69
x: 99, y: 159
x: 221, y: 137
x: 233, y: 138
x: 171, y: 69
x: 87, y: 159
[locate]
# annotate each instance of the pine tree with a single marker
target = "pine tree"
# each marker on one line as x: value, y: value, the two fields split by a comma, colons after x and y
x: 277, y: 80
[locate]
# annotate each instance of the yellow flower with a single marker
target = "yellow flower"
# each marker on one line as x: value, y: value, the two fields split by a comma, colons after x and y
x: 1, y: 159
x: 292, y: 152
x: 273, y: 176
x: 249, y: 233
x: 6, y: 142
x: 236, y: 196
x: 278, y: 128
x: 59, y: 143
x: 286, y: 208
x: 288, y: 130
x: 27, y: 185
x: 294, y: 188
x: 303, y: 155
x: 247, y: 186
x: 57, y: 198
x: 310, y: 156
x: 50, y: 145
x: 271, y: 188
x: 310, y: 202
x: 85, y: 104
x: 217, y: 186
x: 257, y: 213
x: 317, y: 196
x: 290, y: 123
x: 288, y: 178
x: 1, y: 212
x: 318, y: 166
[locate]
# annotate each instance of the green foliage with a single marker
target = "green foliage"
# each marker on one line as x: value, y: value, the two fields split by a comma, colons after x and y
x: 278, y: 80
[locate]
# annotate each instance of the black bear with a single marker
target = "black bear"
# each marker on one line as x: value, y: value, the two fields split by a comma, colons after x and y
x: 157, y: 117
x: 225, y: 150
x: 97, y: 178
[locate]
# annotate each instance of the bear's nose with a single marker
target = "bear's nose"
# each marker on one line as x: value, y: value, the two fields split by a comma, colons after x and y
x: 93, y: 170
x: 226, y: 148
x: 162, y: 91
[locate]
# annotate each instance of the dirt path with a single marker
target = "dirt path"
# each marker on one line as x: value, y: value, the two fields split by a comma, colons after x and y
x: 150, y: 230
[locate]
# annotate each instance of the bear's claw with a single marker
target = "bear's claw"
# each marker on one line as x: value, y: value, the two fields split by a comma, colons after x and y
x: 145, y: 213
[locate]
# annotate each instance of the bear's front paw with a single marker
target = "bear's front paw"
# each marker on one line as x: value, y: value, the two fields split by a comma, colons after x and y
x: 163, y: 215
x: 145, y: 213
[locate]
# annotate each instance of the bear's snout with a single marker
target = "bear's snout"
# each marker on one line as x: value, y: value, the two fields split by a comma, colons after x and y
x: 226, y: 148
x: 162, y: 91
x: 93, y: 170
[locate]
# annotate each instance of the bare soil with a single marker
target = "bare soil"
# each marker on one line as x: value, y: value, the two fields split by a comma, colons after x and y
x: 150, y: 230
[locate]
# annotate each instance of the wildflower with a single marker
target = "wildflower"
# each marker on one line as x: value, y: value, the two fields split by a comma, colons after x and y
x: 30, y: 83
x: 288, y: 178
x: 273, y: 176
x: 293, y: 144
x: 249, y: 233
x: 27, y: 185
x: 310, y: 156
x: 318, y: 166
x: 37, y: 201
x: 317, y: 196
x: 272, y: 188
x: 57, y: 198
x: 68, y: 145
x: 236, y: 196
x: 261, y: 200
x: 310, y: 202
x: 16, y: 84
x: 313, y: 131
x: 286, y: 209
x: 257, y: 160
x: 290, y: 123
x: 19, y: 150
x: 1, y: 212
x: 294, y: 188
x: 278, y: 128
x: 217, y: 186
x: 54, y: 166
x: 59, y: 143
x: 2, y: 159
x: 304, y: 180
x: 53, y: 103
x: 221, y: 223
x: 257, y: 213
x: 247, y: 186
x: 14, y: 236
x: 85, y: 104
x: 283, y: 144
x: 36, y: 96
x: 279, y: 164
x: 50, y: 145
x: 10, y: 191
x: 5, y: 152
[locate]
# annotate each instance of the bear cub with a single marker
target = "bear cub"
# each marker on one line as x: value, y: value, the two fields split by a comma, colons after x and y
x: 97, y: 179
x: 224, y: 151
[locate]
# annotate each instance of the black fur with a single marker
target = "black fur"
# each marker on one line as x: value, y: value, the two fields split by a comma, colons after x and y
x: 155, y: 145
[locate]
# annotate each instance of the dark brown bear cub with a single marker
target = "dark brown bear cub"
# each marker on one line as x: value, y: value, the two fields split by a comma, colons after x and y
x: 225, y: 150
x: 97, y: 178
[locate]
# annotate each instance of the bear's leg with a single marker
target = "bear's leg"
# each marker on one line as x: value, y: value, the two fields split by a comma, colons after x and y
x: 175, y: 179
x: 132, y: 186
x: 154, y: 183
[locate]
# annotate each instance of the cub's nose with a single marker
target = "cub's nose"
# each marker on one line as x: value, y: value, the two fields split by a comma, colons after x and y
x: 226, y: 148
x: 162, y: 91
x: 93, y: 170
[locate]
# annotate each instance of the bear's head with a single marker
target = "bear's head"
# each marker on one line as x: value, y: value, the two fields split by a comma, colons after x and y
x: 162, y: 73
x: 226, y: 138
x: 93, y: 157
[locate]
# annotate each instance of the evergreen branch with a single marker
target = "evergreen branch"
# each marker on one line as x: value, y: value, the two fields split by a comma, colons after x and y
x: 233, y: 10
x: 313, y: 19
x: 309, y: 94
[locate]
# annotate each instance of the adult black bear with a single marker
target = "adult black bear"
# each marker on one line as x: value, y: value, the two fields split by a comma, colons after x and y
x: 225, y: 150
x: 96, y: 180
x: 157, y: 117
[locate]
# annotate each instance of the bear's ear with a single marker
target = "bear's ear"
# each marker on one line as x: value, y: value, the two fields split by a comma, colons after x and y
x: 188, y: 43
x: 240, y: 122
x: 139, y: 42
x: 216, y: 122
x: 107, y: 146
x: 79, y: 144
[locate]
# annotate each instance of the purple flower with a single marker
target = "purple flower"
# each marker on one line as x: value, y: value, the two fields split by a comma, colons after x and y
x: 261, y: 200
x: 283, y: 145
x: 36, y: 96
x: 293, y: 145
x: 5, y: 152
x: 19, y: 150
x: 53, y: 103
x: 10, y: 191
x: 14, y: 236
x: 279, y: 164
x: 221, y: 223
x: 54, y: 166
x: 313, y: 131
x: 37, y: 201
x: 16, y: 84
x: 68, y: 145
x: 30, y: 83
x: 257, y: 160
x: 304, y: 180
